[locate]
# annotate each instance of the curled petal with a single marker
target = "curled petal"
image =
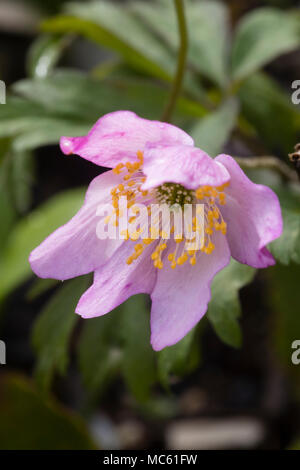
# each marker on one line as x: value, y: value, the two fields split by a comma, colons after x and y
x: 181, y: 295
x: 182, y: 164
x: 116, y: 281
x: 74, y: 249
x: 253, y: 217
x: 116, y: 138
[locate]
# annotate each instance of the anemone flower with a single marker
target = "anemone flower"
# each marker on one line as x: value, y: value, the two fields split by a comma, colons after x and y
x: 155, y: 162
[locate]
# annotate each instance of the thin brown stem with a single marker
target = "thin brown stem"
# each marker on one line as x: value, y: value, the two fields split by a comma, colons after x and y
x: 268, y: 162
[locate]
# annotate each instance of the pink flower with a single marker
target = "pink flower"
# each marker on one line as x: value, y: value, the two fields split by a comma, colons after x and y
x: 155, y: 161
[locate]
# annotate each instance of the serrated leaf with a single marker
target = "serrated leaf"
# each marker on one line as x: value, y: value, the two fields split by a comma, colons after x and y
x: 138, y: 364
x: 213, y: 131
x: 29, y: 421
x: 224, y: 308
x: 30, y: 232
x: 261, y: 36
x: 69, y: 103
x: 113, y: 26
x: 53, y: 328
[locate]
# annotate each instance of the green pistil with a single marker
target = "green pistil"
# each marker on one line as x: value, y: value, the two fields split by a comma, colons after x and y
x: 173, y: 193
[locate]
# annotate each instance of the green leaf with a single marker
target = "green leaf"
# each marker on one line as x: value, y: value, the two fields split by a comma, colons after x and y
x: 207, y: 23
x: 114, y: 27
x: 99, y: 353
x: 44, y: 54
x: 212, y: 132
x: 30, y: 232
x: 262, y: 99
x: 32, y: 125
x: 283, y: 296
x: 287, y: 248
x: 224, y: 308
x: 176, y: 358
x: 23, y: 172
x: 39, y: 287
x: 138, y: 365
x: 30, y: 421
x: 7, y: 206
x: 261, y: 36
x: 53, y: 328
x: 69, y: 103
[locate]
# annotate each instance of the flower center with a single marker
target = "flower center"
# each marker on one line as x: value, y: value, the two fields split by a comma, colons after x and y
x: 168, y: 245
x: 173, y: 193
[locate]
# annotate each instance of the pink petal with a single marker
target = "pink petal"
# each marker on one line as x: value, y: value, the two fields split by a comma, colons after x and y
x: 183, y: 164
x: 253, y: 216
x: 116, y: 281
x: 116, y: 137
x: 181, y: 295
x: 74, y: 249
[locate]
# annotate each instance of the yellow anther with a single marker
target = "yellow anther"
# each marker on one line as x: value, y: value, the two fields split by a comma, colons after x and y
x: 154, y: 255
x: 136, y: 165
x: 140, y: 155
x: 178, y: 240
x: 193, y: 261
x: 147, y: 241
x: 154, y: 232
x: 171, y: 256
x: 216, y: 213
x: 158, y: 264
x: 209, y: 231
x: 199, y: 193
x: 118, y: 168
x: 134, y: 236
x: 222, y: 199
x: 223, y: 227
x: 173, y: 265
x: 210, y: 248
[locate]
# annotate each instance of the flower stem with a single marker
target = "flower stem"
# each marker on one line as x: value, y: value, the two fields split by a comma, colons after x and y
x: 178, y: 79
x: 269, y: 162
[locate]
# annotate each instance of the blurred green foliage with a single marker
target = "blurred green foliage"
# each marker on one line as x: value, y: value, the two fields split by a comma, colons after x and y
x: 31, y: 421
x: 227, y: 96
